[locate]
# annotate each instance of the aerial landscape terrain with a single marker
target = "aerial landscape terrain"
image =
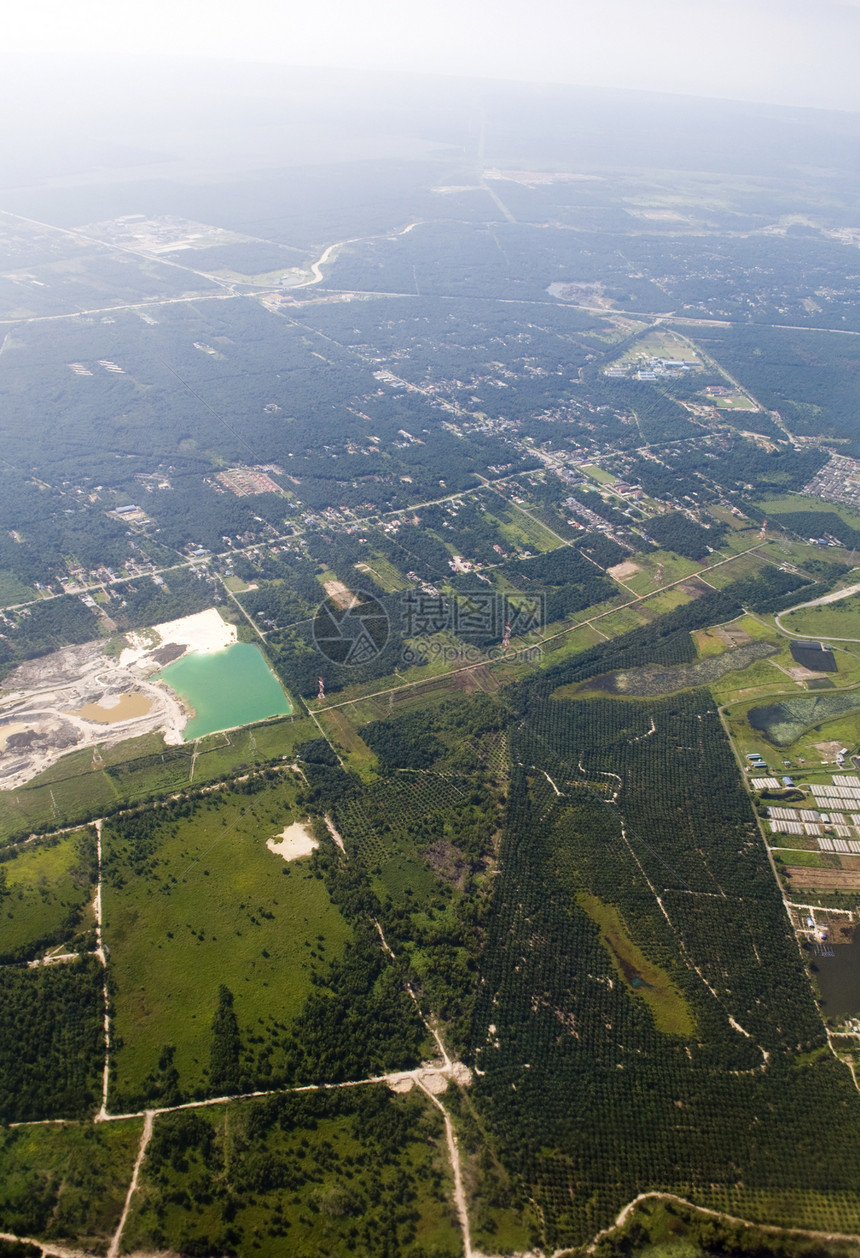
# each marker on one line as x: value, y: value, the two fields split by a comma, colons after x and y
x: 430, y: 619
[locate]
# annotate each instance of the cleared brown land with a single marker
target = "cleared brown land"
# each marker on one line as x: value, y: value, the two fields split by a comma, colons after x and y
x: 621, y: 570
x: 339, y: 594
x: 802, y: 876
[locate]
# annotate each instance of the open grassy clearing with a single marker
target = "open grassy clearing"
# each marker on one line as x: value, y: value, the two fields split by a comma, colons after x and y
x: 598, y: 612
x: 652, y: 681
x: 662, y: 567
x: 199, y: 901
x: 735, y: 402
x: 599, y: 474
x: 341, y: 732
x: 66, y: 1182
x: 383, y: 573
x: 667, y: 600
x: 669, y: 1009
x: 439, y: 653
x: 779, y: 504
x: 661, y: 343
x: 837, y: 620
x: 340, y: 1173
x: 14, y: 591
x: 620, y: 621
x: 757, y: 684
x: 571, y: 643
x: 789, y: 842
x: 237, y: 586
x: 783, y: 549
x: 808, y: 859
x: 792, y: 729
x: 48, y: 889
x: 524, y: 530
x: 709, y: 643
x: 741, y: 537
x: 745, y: 565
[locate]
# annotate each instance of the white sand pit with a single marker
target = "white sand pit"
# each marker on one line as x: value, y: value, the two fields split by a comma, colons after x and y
x: 293, y: 842
x: 202, y: 634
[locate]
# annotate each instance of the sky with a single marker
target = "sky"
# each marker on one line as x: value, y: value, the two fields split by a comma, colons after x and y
x: 787, y: 52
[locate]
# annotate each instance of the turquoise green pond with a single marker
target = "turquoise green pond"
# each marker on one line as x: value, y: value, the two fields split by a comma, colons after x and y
x: 226, y: 689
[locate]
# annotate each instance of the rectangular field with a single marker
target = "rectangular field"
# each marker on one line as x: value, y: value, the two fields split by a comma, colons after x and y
x: 195, y: 901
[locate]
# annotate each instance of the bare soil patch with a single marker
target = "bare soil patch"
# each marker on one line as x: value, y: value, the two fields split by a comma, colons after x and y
x: 732, y: 635
x: 798, y: 673
x: 447, y: 863
x: 694, y: 588
x: 293, y: 842
x: 829, y: 750
x: 339, y: 594
x: 623, y: 570
x: 805, y: 878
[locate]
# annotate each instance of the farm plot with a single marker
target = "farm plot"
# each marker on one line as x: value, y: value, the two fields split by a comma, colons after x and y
x: 83, y: 785
x: 821, y: 877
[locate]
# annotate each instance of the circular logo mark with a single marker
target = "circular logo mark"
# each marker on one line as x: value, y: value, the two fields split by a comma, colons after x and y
x: 350, y: 630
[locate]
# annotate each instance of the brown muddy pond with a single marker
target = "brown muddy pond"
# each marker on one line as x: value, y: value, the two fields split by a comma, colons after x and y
x: 116, y: 708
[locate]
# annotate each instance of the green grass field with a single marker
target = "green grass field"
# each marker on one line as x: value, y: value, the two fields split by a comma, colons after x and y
x: 383, y: 572
x: 14, y: 591
x: 599, y: 474
x: 670, y: 1011
x: 523, y: 530
x: 216, y: 907
x: 836, y: 620
x: 664, y: 601
x: 339, y: 728
x: 736, y: 402
x: 661, y: 567
x: 737, y: 569
x: 780, y: 504
x: 618, y: 622
x: 47, y: 887
x: 661, y: 343
x: 809, y: 751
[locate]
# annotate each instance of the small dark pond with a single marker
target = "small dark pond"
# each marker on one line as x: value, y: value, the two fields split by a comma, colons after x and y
x: 838, y: 979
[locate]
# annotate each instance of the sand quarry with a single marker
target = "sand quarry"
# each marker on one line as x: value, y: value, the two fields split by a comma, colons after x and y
x: 84, y: 697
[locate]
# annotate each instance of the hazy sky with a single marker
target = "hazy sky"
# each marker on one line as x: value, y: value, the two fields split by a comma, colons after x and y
x: 782, y: 51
